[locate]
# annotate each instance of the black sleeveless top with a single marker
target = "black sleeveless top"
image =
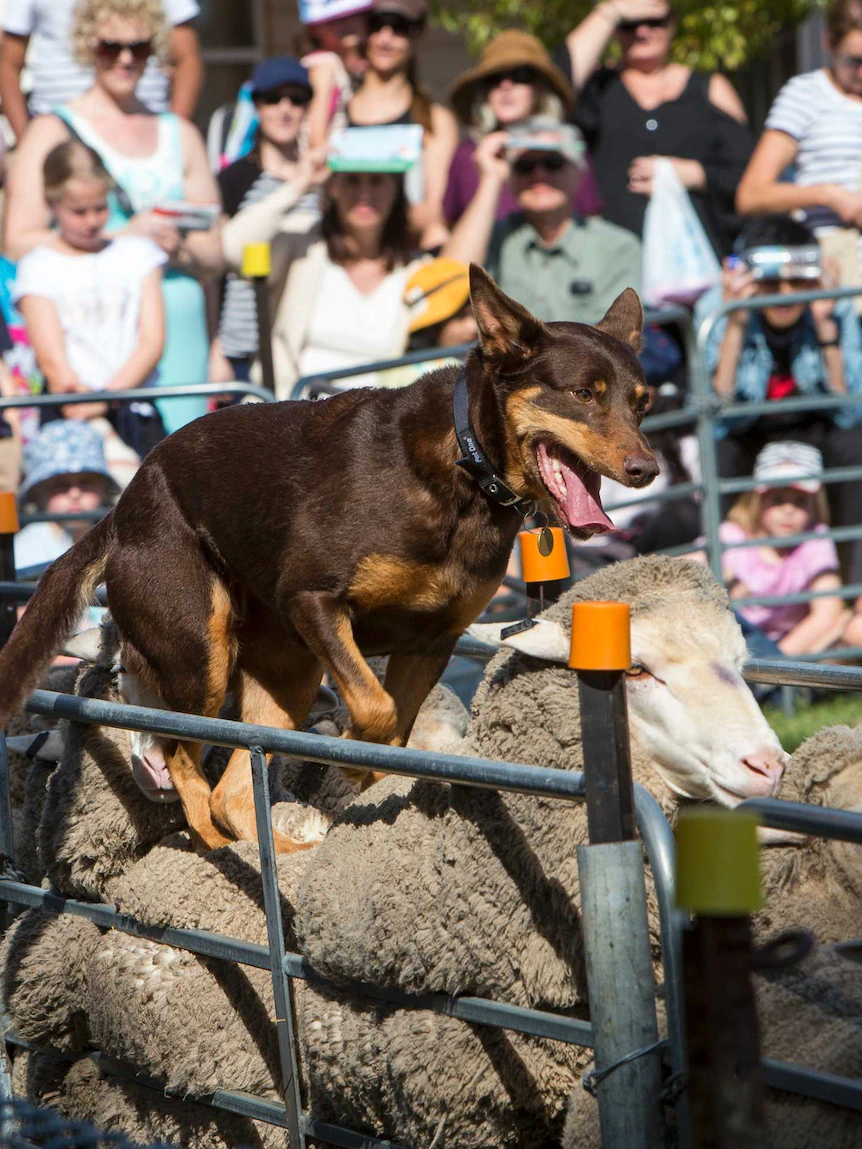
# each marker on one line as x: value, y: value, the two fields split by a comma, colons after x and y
x: 618, y: 129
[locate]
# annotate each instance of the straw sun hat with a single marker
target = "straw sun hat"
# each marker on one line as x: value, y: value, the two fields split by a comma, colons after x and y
x: 511, y: 49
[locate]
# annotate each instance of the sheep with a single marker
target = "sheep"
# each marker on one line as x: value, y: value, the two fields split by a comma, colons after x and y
x: 497, y: 1089
x: 810, y: 1015
x: 81, y: 1092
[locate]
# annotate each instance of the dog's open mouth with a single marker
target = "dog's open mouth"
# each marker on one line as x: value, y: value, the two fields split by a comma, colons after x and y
x: 574, y: 489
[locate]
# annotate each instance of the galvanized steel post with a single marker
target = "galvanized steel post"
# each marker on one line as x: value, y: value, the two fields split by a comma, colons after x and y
x: 613, y: 894
x: 277, y: 952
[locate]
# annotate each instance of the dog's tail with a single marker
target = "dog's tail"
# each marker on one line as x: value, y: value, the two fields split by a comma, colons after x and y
x: 65, y: 590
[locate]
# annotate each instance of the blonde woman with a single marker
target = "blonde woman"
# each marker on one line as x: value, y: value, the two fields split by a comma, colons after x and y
x: 514, y: 80
x: 153, y: 159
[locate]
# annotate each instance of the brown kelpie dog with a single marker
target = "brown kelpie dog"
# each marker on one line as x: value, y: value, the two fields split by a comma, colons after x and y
x: 262, y: 544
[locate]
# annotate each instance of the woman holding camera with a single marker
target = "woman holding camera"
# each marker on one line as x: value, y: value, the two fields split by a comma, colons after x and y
x: 153, y: 159
x: 649, y: 108
x: 786, y: 351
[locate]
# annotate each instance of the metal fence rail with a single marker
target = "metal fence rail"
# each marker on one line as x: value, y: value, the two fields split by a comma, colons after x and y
x: 655, y: 832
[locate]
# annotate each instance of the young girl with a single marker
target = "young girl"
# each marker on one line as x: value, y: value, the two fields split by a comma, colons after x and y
x: 783, y: 505
x: 332, y: 47
x: 93, y: 307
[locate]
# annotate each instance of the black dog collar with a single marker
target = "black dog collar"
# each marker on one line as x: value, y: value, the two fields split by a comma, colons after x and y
x: 475, y: 461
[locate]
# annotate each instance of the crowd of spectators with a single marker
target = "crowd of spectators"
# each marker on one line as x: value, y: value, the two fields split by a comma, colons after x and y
x: 124, y: 235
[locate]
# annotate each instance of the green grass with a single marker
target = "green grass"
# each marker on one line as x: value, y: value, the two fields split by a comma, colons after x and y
x: 809, y: 717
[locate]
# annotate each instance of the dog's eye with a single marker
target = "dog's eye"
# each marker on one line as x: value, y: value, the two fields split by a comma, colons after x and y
x: 584, y: 394
x: 644, y: 403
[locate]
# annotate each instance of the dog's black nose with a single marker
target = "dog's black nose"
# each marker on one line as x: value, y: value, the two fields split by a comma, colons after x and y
x: 641, y: 468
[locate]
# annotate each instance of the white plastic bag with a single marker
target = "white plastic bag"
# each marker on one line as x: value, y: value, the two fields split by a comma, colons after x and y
x: 679, y: 264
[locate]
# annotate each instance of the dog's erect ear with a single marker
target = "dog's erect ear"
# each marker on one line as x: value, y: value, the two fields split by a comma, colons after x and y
x: 624, y: 319
x: 506, y: 329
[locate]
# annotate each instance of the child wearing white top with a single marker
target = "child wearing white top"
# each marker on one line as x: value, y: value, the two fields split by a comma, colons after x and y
x: 93, y: 307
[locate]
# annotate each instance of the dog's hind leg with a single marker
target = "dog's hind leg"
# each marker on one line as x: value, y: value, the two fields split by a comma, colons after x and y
x: 276, y: 686
x: 325, y: 625
x: 180, y: 647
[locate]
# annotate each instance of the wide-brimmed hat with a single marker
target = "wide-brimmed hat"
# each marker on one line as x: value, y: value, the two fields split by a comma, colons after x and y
x: 788, y: 464
x: 436, y: 292
x: 511, y: 49
x: 64, y: 447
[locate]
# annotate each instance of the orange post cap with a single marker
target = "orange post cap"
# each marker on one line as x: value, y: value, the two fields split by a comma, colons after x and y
x: 8, y: 513
x: 601, y: 636
x: 536, y: 567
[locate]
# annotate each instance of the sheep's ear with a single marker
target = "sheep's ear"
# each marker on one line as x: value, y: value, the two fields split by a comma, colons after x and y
x: 85, y: 645
x: 545, y: 639
x: 50, y: 750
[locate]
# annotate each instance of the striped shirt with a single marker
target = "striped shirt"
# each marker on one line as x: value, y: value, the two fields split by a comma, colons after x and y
x: 242, y: 184
x: 57, y: 78
x: 827, y: 125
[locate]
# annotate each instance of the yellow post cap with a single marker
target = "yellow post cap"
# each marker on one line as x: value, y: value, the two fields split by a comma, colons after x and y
x: 717, y: 862
x: 8, y: 513
x: 536, y: 567
x: 256, y: 261
x: 601, y: 636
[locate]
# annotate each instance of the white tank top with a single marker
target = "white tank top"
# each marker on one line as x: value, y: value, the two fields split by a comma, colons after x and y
x: 348, y: 328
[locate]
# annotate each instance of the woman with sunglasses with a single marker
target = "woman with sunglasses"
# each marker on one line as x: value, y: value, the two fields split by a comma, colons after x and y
x: 153, y: 159
x: 651, y: 107
x: 272, y: 189
x: 390, y: 94
x: 514, y: 80
x: 815, y: 123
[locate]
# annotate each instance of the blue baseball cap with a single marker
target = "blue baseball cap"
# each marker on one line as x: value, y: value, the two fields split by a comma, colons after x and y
x: 276, y: 72
x: 64, y: 447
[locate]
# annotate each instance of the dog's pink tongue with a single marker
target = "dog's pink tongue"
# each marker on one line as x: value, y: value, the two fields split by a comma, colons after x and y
x: 583, y: 509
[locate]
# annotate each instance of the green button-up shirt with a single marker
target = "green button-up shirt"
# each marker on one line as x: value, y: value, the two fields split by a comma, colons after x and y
x: 576, y: 278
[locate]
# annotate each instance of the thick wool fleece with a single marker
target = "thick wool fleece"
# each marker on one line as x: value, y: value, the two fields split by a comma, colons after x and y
x: 44, y: 959
x: 96, y: 822
x: 198, y: 1024
x: 810, y: 1015
x: 80, y: 1092
x: 476, y: 870
x: 817, y: 883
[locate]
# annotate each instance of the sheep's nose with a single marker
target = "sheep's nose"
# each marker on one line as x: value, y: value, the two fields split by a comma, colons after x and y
x: 766, y: 764
x: 641, y: 469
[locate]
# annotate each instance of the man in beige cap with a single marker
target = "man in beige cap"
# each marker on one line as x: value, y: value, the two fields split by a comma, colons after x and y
x: 559, y: 265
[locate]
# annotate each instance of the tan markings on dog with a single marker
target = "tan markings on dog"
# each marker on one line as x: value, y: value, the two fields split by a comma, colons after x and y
x: 232, y: 801
x: 640, y: 390
x: 599, y: 451
x: 372, y: 709
x: 386, y: 580
x: 222, y: 646
x: 193, y: 789
x: 600, y: 385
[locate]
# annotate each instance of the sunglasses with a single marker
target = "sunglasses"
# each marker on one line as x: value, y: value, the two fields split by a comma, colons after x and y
x: 113, y: 49
x: 652, y: 22
x: 523, y: 74
x: 399, y: 24
x: 299, y: 97
x: 552, y: 162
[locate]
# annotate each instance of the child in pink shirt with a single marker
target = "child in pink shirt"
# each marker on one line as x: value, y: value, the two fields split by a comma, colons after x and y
x: 789, y: 500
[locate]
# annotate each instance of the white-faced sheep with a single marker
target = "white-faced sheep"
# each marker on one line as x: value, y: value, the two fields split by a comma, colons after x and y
x: 482, y: 888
